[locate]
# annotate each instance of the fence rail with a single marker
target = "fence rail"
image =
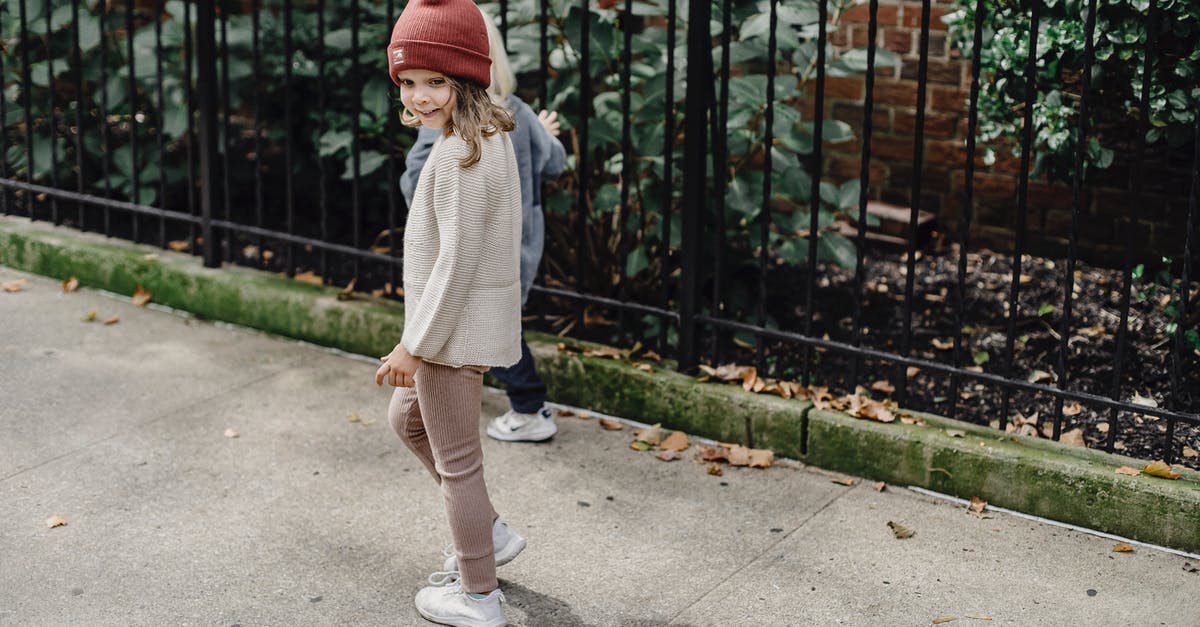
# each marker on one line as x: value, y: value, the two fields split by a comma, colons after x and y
x: 701, y: 210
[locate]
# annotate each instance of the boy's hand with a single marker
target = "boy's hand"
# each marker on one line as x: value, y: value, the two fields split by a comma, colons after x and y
x: 398, y: 368
x: 549, y: 120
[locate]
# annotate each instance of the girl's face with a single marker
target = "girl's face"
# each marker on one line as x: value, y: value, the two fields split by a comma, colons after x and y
x: 428, y: 95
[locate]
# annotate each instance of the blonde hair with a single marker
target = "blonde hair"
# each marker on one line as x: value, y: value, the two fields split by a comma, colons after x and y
x: 475, y: 115
x: 504, y: 80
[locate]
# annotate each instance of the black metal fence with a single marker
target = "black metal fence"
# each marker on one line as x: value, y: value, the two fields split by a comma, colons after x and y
x: 695, y: 217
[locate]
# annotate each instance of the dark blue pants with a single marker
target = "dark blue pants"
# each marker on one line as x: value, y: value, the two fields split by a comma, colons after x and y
x: 526, y: 390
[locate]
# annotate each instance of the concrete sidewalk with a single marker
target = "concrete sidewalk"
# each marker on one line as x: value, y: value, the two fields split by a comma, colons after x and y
x: 308, y: 518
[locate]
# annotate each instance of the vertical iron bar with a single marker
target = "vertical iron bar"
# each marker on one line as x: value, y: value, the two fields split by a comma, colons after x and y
x: 914, y: 201
x: 1014, y: 299
x: 627, y: 176
x: 544, y: 54
x: 77, y: 60
x: 105, y: 130
x: 393, y: 205
x: 864, y: 179
x: 355, y: 147
x: 27, y: 88
x: 256, y: 53
x: 668, y: 175
x: 585, y: 113
x: 1139, y: 166
x: 135, y: 175
x: 4, y: 207
x: 162, y: 119
x: 289, y: 192
x: 504, y: 22
x: 322, y: 192
x: 964, y: 231
x: 1064, y: 330
x: 189, y: 102
x: 721, y: 175
x: 698, y: 96
x: 1185, y: 281
x: 227, y: 135
x: 206, y: 78
x: 764, y: 215
x: 814, y: 202
x: 52, y: 127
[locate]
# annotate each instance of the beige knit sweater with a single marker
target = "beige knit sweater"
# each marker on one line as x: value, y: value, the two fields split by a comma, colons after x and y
x: 462, y: 295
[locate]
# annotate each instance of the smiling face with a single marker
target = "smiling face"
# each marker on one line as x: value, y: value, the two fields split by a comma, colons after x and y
x: 428, y: 95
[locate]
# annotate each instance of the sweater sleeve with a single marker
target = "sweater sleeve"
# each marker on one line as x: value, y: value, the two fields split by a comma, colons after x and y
x: 549, y: 156
x: 459, y: 199
x: 415, y: 160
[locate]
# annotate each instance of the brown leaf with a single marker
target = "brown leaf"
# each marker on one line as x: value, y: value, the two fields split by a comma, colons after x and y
x: 583, y: 415
x: 652, y: 356
x: 879, y: 486
x: 309, y: 277
x: 900, y: 531
x: 1074, y: 437
x: 943, y: 619
x: 884, y: 386
x: 1038, y: 376
x: 230, y: 433
x: 677, y: 441
x: 141, y: 296
x: 1190, y: 452
x: 712, y: 453
x: 1160, y: 468
x: 912, y: 371
x: 604, y: 351
x: 977, y: 505
x: 562, y: 413
x: 55, y: 521
x: 942, y: 345
x: 1126, y: 470
x: 1102, y: 427
x: 13, y: 286
x: 714, y: 469
x: 651, y: 435
x: 71, y: 284
x: 846, y: 481
x: 1121, y: 547
x: 639, y: 445
x: 739, y: 455
x: 1072, y: 409
x: 178, y: 245
x: 761, y: 458
x: 608, y: 424
x: 668, y: 456
x: 112, y: 320
x: 643, y: 367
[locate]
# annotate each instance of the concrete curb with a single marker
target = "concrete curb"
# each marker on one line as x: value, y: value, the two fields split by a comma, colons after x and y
x: 1044, y: 478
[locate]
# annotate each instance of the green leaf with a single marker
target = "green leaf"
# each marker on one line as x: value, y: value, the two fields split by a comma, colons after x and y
x: 838, y: 249
x: 1045, y: 308
x: 981, y: 357
x: 636, y: 261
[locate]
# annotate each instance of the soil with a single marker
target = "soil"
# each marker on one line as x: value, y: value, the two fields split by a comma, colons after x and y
x: 1151, y: 349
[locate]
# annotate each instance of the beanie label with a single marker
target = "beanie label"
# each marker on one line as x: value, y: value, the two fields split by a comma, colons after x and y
x: 398, y: 56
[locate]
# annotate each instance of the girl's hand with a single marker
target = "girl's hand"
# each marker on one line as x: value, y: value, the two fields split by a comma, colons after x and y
x: 549, y: 120
x: 398, y: 368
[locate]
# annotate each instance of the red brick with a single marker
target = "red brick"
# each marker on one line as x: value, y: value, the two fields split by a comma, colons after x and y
x: 859, y: 37
x: 891, y: 147
x: 887, y: 14
x: 945, y: 72
x: 945, y: 152
x: 899, y: 41
x: 937, y: 125
x: 853, y: 115
x: 912, y: 16
x: 902, y: 93
x: 948, y: 98
x: 841, y: 37
x: 848, y: 87
x: 987, y: 184
x: 846, y: 168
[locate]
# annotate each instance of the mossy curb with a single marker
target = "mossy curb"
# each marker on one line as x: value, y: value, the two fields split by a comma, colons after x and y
x: 1043, y: 478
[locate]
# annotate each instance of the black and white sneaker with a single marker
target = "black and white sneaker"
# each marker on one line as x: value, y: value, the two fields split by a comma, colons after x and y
x: 513, y: 426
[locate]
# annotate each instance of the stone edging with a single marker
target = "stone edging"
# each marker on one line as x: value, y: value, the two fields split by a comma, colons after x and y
x: 1044, y: 478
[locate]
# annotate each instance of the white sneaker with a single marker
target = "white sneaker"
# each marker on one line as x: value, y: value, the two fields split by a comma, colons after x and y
x: 513, y: 426
x: 446, y: 603
x: 508, y: 546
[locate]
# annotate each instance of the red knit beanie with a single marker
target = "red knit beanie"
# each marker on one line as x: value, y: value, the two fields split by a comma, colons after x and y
x: 446, y: 36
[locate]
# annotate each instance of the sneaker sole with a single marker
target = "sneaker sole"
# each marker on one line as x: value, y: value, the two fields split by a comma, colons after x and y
x: 460, y: 622
x: 533, y: 435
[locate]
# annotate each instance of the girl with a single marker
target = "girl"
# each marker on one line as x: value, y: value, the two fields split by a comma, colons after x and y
x: 461, y: 290
x: 540, y: 158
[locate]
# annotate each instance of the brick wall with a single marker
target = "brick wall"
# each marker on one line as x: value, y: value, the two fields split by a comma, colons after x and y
x: 1106, y: 203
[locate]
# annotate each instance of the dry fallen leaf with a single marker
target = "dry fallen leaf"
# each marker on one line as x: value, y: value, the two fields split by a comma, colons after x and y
x: 1038, y: 376
x: 639, y: 445
x: 1126, y: 470
x: 150, y: 257
x: 71, y: 284
x: 55, y: 521
x: 14, y: 286
x: 1074, y: 437
x: 583, y: 415
x: 677, y: 441
x: 1072, y: 409
x: 605, y: 351
x: 608, y: 424
x: 761, y: 458
x: 714, y: 469
x: 883, y: 386
x: 879, y: 486
x: 912, y: 371
x: 1102, y: 427
x: 943, y: 619
x: 847, y: 481
x: 712, y: 454
x: 1190, y: 452
x: 113, y: 320
x: 1121, y: 547
x: 739, y: 455
x: 643, y: 367
x: 141, y: 296
x: 309, y: 277
x: 668, y: 456
x: 651, y: 435
x: 178, y: 245
x: 1160, y: 468
x: 230, y: 433
x: 900, y: 531
x: 942, y: 345
x: 977, y: 505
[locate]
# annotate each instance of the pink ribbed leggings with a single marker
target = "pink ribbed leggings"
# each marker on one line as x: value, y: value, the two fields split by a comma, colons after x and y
x: 439, y: 422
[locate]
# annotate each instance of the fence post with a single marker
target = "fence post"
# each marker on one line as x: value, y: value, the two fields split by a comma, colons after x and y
x: 698, y: 95
x: 206, y: 79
